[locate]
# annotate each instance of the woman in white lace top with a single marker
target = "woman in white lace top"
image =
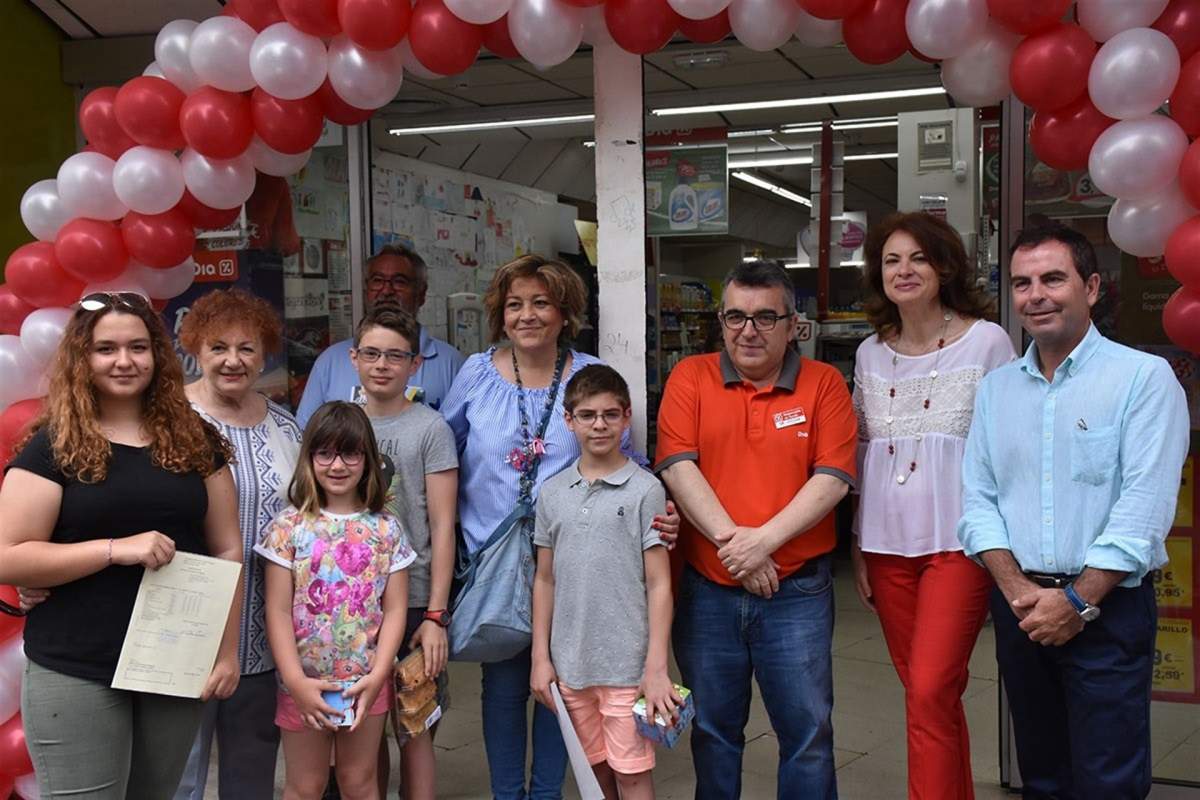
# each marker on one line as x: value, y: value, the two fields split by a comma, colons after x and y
x: 914, y: 391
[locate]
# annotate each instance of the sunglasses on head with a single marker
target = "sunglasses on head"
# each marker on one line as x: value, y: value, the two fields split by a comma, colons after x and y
x: 97, y: 301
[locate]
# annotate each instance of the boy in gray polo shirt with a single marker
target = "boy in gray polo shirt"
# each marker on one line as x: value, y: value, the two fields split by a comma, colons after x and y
x: 602, y: 596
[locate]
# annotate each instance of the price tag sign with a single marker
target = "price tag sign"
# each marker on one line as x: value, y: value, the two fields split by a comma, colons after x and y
x: 1174, y: 663
x: 1173, y: 586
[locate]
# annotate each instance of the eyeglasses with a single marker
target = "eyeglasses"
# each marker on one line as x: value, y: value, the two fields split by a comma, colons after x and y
x: 131, y: 301
x: 763, y: 320
x: 589, y: 417
x: 325, y: 457
x: 372, y: 354
x: 397, y: 283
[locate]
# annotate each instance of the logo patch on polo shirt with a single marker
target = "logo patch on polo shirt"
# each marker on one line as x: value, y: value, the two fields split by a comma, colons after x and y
x: 620, y: 511
x: 793, y: 416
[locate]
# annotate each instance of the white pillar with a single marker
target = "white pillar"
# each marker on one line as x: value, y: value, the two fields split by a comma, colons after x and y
x: 621, y: 212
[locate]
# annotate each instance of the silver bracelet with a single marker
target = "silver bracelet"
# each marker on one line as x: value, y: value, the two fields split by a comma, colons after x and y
x: 110, y: 542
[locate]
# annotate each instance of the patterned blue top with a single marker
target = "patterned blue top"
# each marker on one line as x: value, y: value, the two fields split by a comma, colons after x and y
x: 481, y: 409
x: 264, y: 459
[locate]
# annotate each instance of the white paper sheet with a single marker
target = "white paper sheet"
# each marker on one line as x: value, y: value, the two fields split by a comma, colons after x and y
x: 585, y: 779
x: 177, y: 624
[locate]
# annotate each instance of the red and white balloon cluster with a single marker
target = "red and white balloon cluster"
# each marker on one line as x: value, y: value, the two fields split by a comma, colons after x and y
x: 16, y: 768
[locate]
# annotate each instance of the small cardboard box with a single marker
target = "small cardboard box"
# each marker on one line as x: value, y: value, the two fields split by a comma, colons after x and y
x: 661, y: 732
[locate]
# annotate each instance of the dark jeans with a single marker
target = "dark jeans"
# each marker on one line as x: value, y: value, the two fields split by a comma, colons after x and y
x: 722, y: 636
x: 1081, y: 712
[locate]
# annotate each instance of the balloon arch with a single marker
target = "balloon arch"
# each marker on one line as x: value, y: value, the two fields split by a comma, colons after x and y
x: 177, y: 149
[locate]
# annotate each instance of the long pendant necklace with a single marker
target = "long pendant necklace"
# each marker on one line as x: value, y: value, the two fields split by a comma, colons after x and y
x: 521, y: 458
x: 902, y: 476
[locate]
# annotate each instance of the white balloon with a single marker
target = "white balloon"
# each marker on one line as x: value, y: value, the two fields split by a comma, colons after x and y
x: 148, y: 180
x: 1104, y: 19
x: 85, y: 185
x: 979, y: 75
x: 1141, y: 227
x: 367, y: 79
x: 816, y: 32
x: 272, y: 162
x: 42, y: 210
x: 696, y: 9
x: 27, y: 786
x: 153, y: 70
x: 595, y: 27
x: 945, y: 28
x: 288, y: 63
x: 413, y: 65
x: 20, y: 375
x: 479, y: 12
x: 763, y: 24
x: 163, y: 284
x: 125, y: 282
x: 171, y: 54
x: 545, y: 32
x: 1137, y: 157
x: 41, y: 332
x: 220, y: 53
x: 12, y: 667
x: 1133, y: 73
x: 218, y: 183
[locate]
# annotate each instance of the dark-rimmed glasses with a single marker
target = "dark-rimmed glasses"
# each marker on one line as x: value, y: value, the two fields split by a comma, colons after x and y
x: 394, y: 357
x: 131, y: 301
x: 326, y: 456
x: 589, y: 417
x: 398, y: 283
x: 763, y: 321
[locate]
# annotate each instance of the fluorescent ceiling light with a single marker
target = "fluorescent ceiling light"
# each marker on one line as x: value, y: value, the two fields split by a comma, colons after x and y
x: 741, y: 134
x: 871, y: 156
x: 534, y: 122
x: 798, y: 102
x: 754, y: 180
x: 843, y: 124
x: 770, y: 161
x: 810, y: 265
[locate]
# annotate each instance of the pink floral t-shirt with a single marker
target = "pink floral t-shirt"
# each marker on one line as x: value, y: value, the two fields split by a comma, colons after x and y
x: 340, y: 564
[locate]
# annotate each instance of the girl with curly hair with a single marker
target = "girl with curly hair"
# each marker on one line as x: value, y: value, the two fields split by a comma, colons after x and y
x: 118, y: 474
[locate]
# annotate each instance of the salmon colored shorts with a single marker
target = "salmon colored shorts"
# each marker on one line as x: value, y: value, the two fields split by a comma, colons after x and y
x: 603, y: 720
x: 287, y: 714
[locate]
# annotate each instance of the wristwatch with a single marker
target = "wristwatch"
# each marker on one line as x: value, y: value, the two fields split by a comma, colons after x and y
x: 1087, y: 612
x: 441, y: 617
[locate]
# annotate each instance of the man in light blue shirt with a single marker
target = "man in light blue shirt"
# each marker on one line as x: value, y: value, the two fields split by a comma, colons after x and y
x: 396, y: 278
x: 1070, y: 478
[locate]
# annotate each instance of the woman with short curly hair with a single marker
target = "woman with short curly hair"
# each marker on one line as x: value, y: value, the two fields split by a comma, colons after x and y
x: 118, y: 475
x: 230, y: 333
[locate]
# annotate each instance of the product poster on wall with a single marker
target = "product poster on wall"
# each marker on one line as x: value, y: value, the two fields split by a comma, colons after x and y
x: 687, y: 185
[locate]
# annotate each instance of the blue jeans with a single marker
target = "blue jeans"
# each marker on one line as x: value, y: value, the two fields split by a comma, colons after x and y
x: 722, y: 636
x: 505, y: 711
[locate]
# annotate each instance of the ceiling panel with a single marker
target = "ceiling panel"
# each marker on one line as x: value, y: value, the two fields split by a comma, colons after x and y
x: 135, y: 17
x: 528, y: 91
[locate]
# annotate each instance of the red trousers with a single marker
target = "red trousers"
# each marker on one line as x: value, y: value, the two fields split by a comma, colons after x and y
x: 931, y: 609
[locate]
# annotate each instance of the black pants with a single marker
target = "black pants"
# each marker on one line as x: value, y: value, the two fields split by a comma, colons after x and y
x: 1081, y: 712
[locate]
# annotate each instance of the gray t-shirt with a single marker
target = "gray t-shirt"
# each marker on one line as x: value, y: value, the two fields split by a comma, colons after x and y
x: 598, y: 532
x: 418, y: 441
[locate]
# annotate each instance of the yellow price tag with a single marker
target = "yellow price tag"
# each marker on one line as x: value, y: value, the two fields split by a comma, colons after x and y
x: 1183, y: 506
x: 1174, y: 670
x: 1173, y: 587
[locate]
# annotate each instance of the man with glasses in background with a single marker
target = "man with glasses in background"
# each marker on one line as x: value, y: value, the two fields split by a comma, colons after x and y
x: 757, y: 446
x: 396, y: 279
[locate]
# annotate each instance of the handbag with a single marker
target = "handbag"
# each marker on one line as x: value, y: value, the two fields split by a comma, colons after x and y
x: 491, y: 616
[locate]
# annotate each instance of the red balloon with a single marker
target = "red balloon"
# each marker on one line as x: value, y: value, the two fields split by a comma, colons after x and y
x: 205, y: 217
x: 14, y: 755
x: 13, y: 311
x: 337, y: 109
x: 1185, y: 99
x: 34, y: 275
x: 498, y: 40
x: 1062, y: 139
x: 442, y: 42
x: 375, y: 24
x: 1181, y: 21
x: 258, y: 14
x: 832, y: 9
x: 159, y: 304
x: 583, y: 3
x: 158, y: 240
x: 148, y: 110
x: 15, y: 421
x: 641, y: 26
x: 314, y: 17
x: 216, y: 123
x: 1189, y: 174
x: 876, y: 33
x: 706, y: 31
x: 1027, y: 16
x: 1049, y: 70
x: 1181, y: 318
x: 1183, y: 253
x: 91, y: 250
x: 289, y: 126
x: 98, y: 122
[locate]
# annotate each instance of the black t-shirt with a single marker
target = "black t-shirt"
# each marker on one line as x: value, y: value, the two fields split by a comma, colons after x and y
x: 79, y: 630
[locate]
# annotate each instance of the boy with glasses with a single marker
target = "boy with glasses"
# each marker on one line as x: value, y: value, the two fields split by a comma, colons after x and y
x: 423, y: 496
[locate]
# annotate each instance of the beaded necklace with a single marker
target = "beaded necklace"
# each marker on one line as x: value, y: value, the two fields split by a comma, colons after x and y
x: 902, y: 476
x: 525, y: 458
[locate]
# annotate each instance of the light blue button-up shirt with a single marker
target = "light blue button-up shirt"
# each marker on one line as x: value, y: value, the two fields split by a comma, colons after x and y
x: 1081, y: 471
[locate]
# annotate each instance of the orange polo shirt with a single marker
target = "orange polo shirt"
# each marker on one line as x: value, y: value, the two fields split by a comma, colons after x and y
x: 757, y: 447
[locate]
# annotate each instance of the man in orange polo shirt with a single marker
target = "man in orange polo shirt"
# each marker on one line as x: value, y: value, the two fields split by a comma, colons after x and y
x: 757, y: 446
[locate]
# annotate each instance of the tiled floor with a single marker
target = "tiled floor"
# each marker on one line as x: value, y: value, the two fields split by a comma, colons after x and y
x: 868, y: 727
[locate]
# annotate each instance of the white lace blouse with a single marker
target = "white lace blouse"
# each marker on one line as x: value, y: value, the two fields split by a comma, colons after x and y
x: 918, y: 516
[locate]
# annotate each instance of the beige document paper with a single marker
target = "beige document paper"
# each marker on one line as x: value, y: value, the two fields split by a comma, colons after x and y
x: 177, y: 624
